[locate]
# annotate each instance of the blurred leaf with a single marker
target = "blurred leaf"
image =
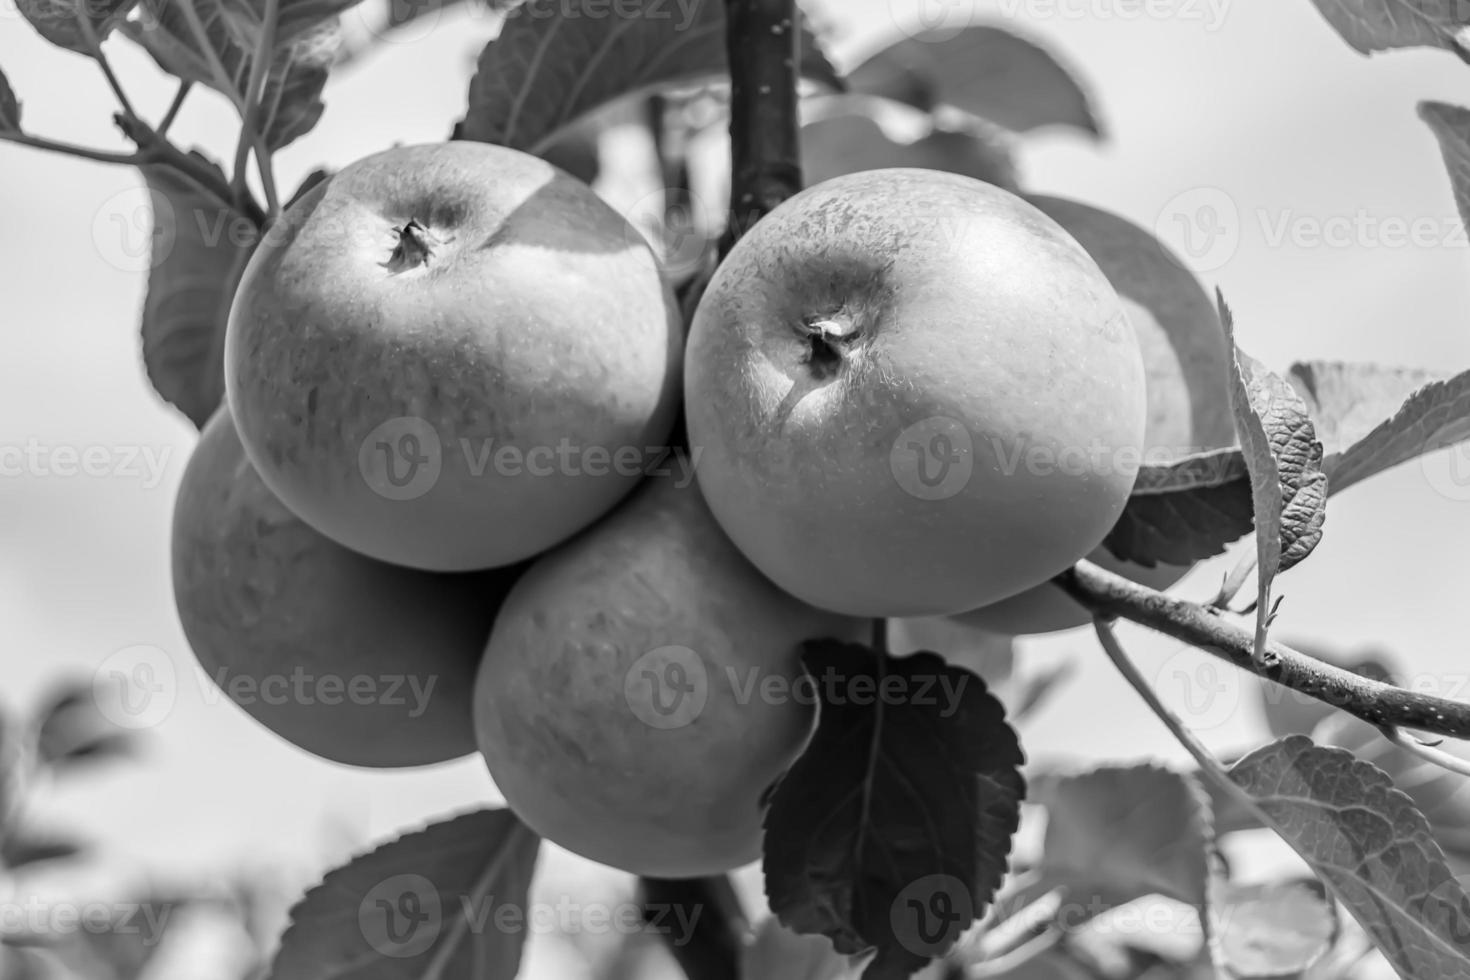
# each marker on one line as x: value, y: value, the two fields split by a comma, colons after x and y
x: 9, y: 107
x: 31, y: 964
x: 115, y: 745
x: 1185, y: 511
x: 60, y: 21
x: 576, y: 153
x: 987, y: 71
x: 1369, y: 845
x: 200, y: 247
x: 898, y: 817
x: 1451, y: 127
x: 71, y: 728
x: 777, y: 953
x: 1120, y: 833
x: 19, y: 848
x: 1275, y: 931
x: 853, y: 141
x: 1030, y: 693
x: 1377, y: 25
x: 418, y: 906
x: 545, y: 71
x: 1390, y: 416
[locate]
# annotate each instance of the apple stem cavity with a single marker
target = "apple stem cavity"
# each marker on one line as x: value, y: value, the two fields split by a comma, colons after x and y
x: 415, y: 245
x: 829, y: 337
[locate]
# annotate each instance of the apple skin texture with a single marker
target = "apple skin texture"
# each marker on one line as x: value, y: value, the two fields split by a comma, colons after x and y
x: 539, y: 319
x: 1185, y: 355
x: 263, y: 596
x: 563, y: 707
x: 971, y: 330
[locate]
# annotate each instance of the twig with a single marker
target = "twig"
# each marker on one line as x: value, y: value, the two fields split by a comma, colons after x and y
x: 71, y: 150
x: 1107, y: 595
x: 250, y: 137
x: 173, y: 108
x: 1428, y: 753
x: 94, y: 44
x: 712, y: 911
x: 761, y: 44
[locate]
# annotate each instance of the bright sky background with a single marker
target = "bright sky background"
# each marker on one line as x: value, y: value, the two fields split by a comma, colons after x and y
x: 1259, y: 104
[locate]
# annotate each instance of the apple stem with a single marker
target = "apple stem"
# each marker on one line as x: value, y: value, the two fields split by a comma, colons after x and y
x: 413, y: 249
x: 828, y: 336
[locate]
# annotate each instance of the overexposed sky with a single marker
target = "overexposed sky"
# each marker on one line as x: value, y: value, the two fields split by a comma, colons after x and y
x: 1256, y: 109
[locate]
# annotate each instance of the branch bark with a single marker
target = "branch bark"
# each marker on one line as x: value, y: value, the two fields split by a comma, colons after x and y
x: 1112, y: 596
x: 761, y: 41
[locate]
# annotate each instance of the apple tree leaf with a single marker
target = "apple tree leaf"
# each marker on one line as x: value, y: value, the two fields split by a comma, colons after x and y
x: 988, y: 72
x: 9, y: 107
x: 20, y: 848
x: 307, y: 183
x: 61, y: 21
x: 1185, y: 511
x: 777, y: 953
x: 1366, y: 841
x: 1407, y: 414
x: 893, y: 829
x: 1347, y: 401
x: 849, y: 141
x: 1378, y: 25
x: 72, y: 727
x: 200, y: 247
x: 1275, y: 930
x: 1120, y: 833
x: 1451, y: 127
x: 545, y: 71
x: 425, y: 904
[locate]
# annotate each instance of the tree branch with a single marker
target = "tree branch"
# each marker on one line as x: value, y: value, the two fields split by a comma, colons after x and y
x: 711, y: 950
x: 1382, y: 705
x: 761, y: 41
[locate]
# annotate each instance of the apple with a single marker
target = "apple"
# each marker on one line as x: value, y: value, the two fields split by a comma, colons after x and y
x: 1187, y: 363
x: 452, y: 356
x: 351, y: 659
x: 911, y: 393
x: 641, y: 690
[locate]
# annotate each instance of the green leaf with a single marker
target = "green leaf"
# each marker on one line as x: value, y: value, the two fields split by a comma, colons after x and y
x: 986, y: 71
x: 427, y: 904
x: 1275, y: 931
x: 545, y: 70
x: 1121, y: 833
x: 9, y: 107
x: 1185, y: 511
x: 1451, y: 127
x: 777, y: 953
x: 1370, y: 846
x: 1378, y: 25
x: 200, y: 247
x: 60, y: 21
x: 1435, y: 415
x: 893, y: 828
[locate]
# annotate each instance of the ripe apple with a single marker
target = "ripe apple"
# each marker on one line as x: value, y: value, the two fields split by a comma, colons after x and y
x: 1187, y: 363
x: 911, y: 393
x: 357, y: 661
x: 452, y: 356
x: 640, y: 690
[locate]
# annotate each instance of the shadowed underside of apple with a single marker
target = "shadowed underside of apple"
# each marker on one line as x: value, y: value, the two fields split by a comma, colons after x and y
x: 640, y: 690
x: 912, y: 393
x: 452, y: 356
x: 1187, y: 364
x: 349, y: 658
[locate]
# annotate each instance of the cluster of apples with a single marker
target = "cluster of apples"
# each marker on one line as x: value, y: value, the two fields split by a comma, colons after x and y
x: 451, y: 502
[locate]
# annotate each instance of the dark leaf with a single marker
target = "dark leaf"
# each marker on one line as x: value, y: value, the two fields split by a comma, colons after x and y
x: 1275, y: 931
x: 893, y: 829
x: 987, y: 71
x: 311, y: 180
x: 546, y: 71
x: 1378, y: 25
x: 1369, y: 845
x: 426, y: 904
x: 61, y: 21
x: 1185, y: 511
x: 1451, y: 127
x: 293, y: 91
x: 576, y: 153
x: 200, y: 247
x: 19, y: 849
x: 9, y: 107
